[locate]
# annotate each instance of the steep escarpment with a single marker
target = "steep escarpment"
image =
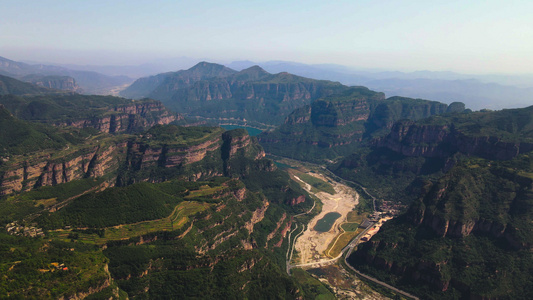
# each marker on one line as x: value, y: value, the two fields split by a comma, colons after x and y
x: 104, y: 113
x: 392, y: 165
x: 469, y: 235
x: 335, y: 126
x: 469, y: 134
x: 52, y: 168
x: 163, y: 85
x: 132, y: 117
x: 222, y: 237
x: 12, y: 86
x: 91, y: 82
x: 65, y: 83
x: 216, y: 92
x: 160, y: 153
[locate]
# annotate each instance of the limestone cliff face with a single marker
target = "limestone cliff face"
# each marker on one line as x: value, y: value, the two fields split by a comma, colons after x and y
x: 127, y: 118
x: 216, y: 92
x: 428, y: 140
x: 342, y: 121
x: 491, y: 209
x: 324, y: 123
x: 66, y: 83
x: 51, y: 169
x: 135, y: 156
x: 143, y: 156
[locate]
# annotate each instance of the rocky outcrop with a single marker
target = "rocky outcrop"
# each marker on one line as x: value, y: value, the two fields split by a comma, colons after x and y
x: 127, y: 118
x: 257, y: 216
x: 23, y: 173
x: 340, y: 122
x: 428, y: 140
x: 65, y: 83
x: 297, y: 200
x: 214, y: 91
x: 49, y: 169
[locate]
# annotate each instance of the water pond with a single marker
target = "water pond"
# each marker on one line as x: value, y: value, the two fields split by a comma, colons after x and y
x: 324, y: 224
x: 251, y: 131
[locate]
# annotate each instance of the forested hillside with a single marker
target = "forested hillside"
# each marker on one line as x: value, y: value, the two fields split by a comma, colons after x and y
x: 339, y: 124
x: 171, y: 212
x: 251, y: 96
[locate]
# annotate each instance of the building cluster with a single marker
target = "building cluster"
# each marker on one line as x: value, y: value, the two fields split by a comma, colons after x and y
x: 14, y: 228
x: 55, y: 266
x: 391, y: 208
x: 376, y: 221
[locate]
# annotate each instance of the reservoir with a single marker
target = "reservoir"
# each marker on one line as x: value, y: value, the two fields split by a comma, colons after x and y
x: 251, y: 131
x: 324, y: 224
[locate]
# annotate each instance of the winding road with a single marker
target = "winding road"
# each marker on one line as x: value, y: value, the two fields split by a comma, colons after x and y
x: 345, y: 252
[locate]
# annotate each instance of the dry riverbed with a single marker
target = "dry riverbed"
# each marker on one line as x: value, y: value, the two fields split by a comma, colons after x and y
x: 312, y: 244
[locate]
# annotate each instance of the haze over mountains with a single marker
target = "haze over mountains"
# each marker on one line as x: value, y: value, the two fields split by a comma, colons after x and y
x: 476, y: 91
x: 88, y: 81
x: 160, y: 209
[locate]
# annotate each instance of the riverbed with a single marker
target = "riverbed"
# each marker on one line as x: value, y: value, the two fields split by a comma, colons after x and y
x: 312, y: 244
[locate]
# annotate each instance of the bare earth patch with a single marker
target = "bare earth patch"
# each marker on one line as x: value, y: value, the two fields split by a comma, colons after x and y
x: 312, y: 244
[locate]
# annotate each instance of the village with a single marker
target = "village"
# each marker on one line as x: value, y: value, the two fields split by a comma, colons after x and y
x: 14, y: 228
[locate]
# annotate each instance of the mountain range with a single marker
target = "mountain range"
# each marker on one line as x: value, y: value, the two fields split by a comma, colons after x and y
x: 48, y: 76
x: 131, y: 204
x: 251, y: 96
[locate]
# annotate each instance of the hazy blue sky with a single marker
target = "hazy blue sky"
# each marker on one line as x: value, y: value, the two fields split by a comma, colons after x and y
x: 466, y: 36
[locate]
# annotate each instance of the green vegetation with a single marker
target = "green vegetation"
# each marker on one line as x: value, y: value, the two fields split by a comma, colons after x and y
x: 492, y: 194
x: 317, y: 184
x: 350, y: 226
x: 312, y: 288
x: 179, y: 136
x: 39, y: 269
x: 131, y: 204
x: 341, y: 123
x: 19, y: 206
x: 11, y: 86
x: 178, y: 218
x: 19, y: 137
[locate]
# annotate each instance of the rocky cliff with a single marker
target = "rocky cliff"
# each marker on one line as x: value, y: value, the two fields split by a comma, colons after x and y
x: 65, y: 83
x: 392, y: 165
x: 24, y: 173
x: 252, y: 95
x: 444, y: 136
x: 105, y: 113
x: 337, y: 124
x: 127, y: 118
x: 12, y: 86
x: 476, y: 220
x: 138, y: 159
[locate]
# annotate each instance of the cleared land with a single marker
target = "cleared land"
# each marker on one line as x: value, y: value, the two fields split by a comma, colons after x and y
x: 311, y: 245
x: 175, y: 221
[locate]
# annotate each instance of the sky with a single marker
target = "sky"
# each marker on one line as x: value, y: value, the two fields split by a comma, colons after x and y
x: 477, y: 37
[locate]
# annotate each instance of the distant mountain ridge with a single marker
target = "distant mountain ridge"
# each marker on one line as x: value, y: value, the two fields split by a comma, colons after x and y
x: 476, y: 91
x: 9, y: 85
x: 104, y: 113
x: 65, y: 83
x: 215, y: 91
x: 90, y: 82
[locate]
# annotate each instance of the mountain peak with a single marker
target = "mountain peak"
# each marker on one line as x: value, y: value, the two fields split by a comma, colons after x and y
x: 252, y: 73
x: 211, y: 69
